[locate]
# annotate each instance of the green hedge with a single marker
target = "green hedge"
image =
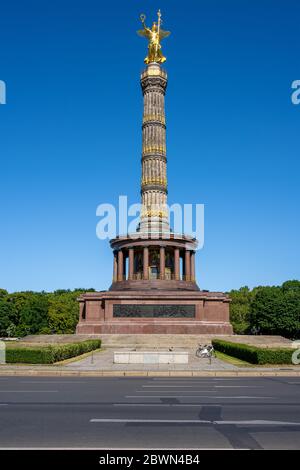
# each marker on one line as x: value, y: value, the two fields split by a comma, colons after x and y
x: 253, y: 354
x: 50, y: 354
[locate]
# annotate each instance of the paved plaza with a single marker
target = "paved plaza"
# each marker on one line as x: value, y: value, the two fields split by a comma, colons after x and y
x: 103, y: 360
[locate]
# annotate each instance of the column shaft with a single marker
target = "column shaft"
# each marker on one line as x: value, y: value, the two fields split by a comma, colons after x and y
x: 187, y: 265
x: 176, y: 264
x: 131, y: 264
x: 193, y: 273
x: 162, y: 262
x: 120, y: 265
x: 124, y: 266
x: 115, y: 270
x: 146, y: 263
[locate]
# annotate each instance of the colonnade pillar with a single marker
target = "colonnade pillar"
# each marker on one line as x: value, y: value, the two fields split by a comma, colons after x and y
x: 176, y: 264
x: 120, y: 265
x: 162, y: 262
x: 193, y: 273
x: 146, y: 263
x: 115, y: 268
x: 131, y: 264
x: 187, y: 265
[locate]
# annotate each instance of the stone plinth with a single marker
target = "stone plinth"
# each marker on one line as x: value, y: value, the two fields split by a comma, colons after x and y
x: 147, y: 312
x: 151, y: 357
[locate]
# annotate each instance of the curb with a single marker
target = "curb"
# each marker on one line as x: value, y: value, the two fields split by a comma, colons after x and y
x: 113, y: 373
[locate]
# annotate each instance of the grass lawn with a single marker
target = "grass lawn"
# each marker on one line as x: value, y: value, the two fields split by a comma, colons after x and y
x: 233, y: 360
x: 78, y: 358
x: 240, y: 363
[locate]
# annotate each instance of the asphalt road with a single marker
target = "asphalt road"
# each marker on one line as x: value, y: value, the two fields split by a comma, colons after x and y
x: 200, y: 413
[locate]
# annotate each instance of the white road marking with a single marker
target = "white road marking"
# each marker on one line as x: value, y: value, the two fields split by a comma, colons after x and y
x: 196, y: 385
x: 182, y: 382
x: 237, y: 386
x: 198, y: 396
x: 157, y: 404
x: 130, y: 420
x: 49, y: 382
x: 175, y: 391
x: 237, y: 378
x: 254, y: 422
x: 173, y: 386
x: 261, y: 422
x: 192, y: 379
x: 28, y: 391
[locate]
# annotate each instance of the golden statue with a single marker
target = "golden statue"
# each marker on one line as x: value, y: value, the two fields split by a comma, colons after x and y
x: 154, y: 35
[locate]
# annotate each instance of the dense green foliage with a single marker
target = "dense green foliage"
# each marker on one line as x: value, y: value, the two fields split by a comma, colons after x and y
x: 267, y: 310
x: 24, y: 313
x: 253, y: 354
x: 49, y: 354
x: 240, y: 310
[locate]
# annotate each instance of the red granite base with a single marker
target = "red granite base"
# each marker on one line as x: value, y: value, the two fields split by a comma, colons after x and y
x: 211, y: 313
x: 155, y: 328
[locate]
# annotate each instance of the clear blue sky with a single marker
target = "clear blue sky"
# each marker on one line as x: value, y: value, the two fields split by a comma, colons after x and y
x: 70, y: 134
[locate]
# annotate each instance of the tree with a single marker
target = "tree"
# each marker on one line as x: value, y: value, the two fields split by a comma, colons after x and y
x: 63, y: 312
x: 291, y: 286
x: 276, y: 310
x: 23, y: 313
x: 33, y: 313
x: 7, y: 317
x: 3, y: 293
x: 240, y: 310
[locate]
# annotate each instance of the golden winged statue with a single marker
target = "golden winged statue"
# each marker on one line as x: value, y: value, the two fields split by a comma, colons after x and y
x: 154, y: 36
